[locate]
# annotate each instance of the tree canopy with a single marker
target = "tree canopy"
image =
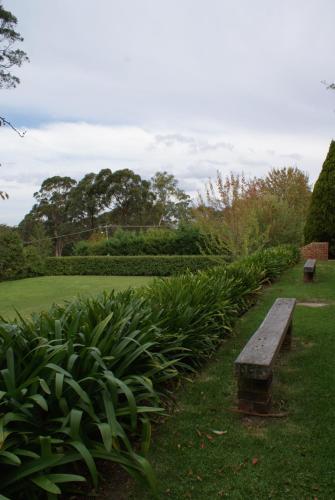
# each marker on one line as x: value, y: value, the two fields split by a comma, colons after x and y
x: 243, y: 215
x: 320, y: 223
x: 68, y: 210
x: 53, y: 208
x: 9, y: 56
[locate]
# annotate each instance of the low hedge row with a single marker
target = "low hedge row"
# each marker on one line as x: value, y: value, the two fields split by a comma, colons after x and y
x: 82, y: 382
x: 141, y: 265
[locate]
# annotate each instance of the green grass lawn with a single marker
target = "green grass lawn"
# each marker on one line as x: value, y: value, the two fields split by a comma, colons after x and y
x: 37, y: 294
x: 258, y: 458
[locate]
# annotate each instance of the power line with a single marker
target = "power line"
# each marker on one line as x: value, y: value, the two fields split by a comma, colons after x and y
x: 115, y: 226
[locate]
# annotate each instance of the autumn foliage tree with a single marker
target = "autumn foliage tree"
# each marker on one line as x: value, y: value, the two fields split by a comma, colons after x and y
x: 242, y: 215
x: 226, y: 215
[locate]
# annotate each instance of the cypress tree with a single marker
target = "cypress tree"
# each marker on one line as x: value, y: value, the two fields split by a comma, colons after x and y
x: 320, y: 223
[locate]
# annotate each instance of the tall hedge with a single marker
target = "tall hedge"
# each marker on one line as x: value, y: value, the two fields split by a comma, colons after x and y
x: 320, y: 223
x: 186, y: 240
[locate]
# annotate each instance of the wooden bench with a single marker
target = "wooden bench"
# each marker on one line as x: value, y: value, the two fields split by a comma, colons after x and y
x: 309, y: 270
x: 254, y: 365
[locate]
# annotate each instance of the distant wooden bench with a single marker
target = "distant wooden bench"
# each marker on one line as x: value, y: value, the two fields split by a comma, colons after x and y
x: 309, y: 270
x: 254, y: 365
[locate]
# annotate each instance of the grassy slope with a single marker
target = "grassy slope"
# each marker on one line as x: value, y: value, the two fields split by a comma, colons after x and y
x: 288, y: 458
x: 35, y: 294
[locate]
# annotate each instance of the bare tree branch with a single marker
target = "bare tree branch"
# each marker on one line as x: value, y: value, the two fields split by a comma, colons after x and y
x: 329, y: 86
x: 4, y: 122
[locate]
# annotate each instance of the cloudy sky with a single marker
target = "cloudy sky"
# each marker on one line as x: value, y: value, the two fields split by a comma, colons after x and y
x: 187, y: 86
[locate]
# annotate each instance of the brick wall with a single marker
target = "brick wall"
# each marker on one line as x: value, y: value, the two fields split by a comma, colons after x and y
x: 315, y: 250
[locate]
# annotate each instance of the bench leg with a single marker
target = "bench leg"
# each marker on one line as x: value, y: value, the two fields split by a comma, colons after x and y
x: 254, y: 396
x: 286, y: 345
x: 308, y: 276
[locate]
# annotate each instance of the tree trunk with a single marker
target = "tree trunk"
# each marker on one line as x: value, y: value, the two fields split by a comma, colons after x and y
x: 59, y: 247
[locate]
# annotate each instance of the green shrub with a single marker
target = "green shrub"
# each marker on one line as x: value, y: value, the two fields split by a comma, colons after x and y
x: 143, y: 265
x: 76, y: 384
x: 197, y: 310
x: 34, y: 262
x: 82, y: 248
x: 82, y: 382
x: 185, y: 240
x: 11, y: 254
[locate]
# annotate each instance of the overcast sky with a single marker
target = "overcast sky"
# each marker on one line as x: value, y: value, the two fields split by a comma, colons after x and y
x: 187, y: 86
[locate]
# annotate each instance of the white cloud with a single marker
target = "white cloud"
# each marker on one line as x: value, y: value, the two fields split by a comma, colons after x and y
x: 75, y: 149
x: 189, y: 87
x: 174, y: 64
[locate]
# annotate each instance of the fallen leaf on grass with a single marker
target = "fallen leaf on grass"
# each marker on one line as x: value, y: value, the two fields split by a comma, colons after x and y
x: 254, y: 461
x: 202, y: 445
x: 209, y: 437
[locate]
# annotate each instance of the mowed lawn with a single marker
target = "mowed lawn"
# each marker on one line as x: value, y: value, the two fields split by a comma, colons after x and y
x: 37, y: 294
x: 205, y: 451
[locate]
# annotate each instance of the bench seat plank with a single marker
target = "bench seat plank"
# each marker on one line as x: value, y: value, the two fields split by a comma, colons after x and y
x: 256, y: 359
x: 309, y: 266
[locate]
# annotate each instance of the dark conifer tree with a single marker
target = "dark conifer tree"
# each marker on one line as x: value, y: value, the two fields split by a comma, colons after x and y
x: 320, y: 223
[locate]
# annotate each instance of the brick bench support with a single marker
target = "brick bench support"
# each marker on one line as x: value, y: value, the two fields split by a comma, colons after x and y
x: 309, y: 270
x: 254, y: 365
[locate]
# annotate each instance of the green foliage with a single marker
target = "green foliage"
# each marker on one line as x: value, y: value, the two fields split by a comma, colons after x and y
x: 81, y: 382
x: 67, y: 209
x: 86, y: 200
x: 143, y: 265
x: 8, y: 55
x: 11, y: 254
x: 32, y: 232
x: 128, y: 196
x: 34, y: 262
x: 53, y: 201
x: 320, y: 224
x: 171, y: 203
x: 240, y: 216
x: 199, y: 309
x: 185, y: 240
x: 75, y: 385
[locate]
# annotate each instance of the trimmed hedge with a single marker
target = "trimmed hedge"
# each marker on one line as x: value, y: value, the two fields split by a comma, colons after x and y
x: 142, y: 265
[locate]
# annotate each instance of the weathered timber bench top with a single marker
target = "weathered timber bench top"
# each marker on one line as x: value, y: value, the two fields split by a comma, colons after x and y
x: 258, y: 356
x: 309, y: 266
x: 309, y: 270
